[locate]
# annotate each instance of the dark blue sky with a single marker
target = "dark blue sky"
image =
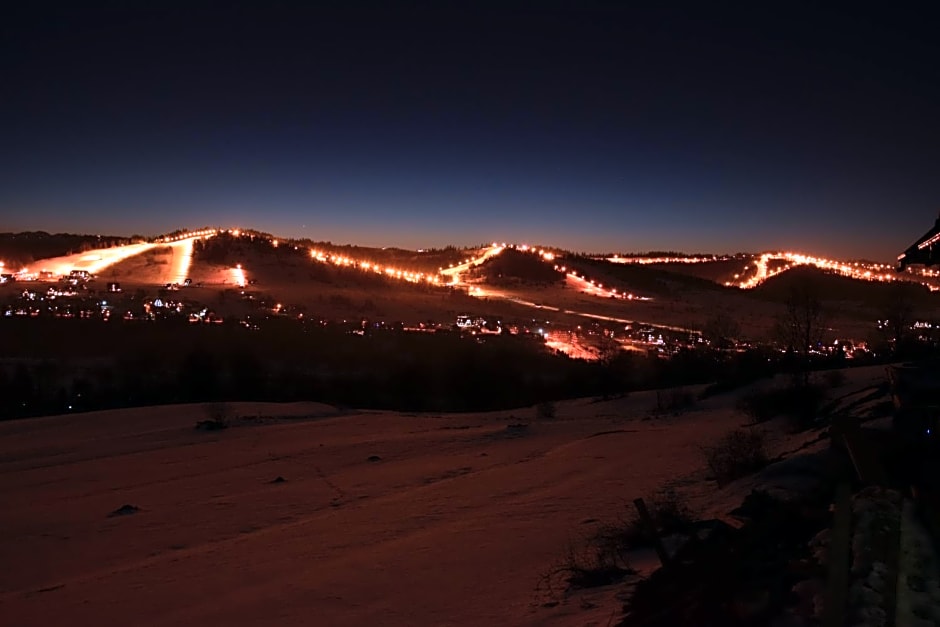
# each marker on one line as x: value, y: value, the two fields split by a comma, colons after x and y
x: 584, y: 125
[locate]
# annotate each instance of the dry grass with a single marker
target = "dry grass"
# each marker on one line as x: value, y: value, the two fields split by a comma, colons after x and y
x: 739, y: 453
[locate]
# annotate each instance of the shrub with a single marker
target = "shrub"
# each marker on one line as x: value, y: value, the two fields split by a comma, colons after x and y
x: 800, y: 403
x: 834, y: 378
x: 673, y: 401
x: 596, y: 562
x: 218, y: 411
x: 217, y: 417
x: 669, y: 514
x: 737, y: 454
x: 669, y: 511
x: 759, y: 406
x: 601, y: 558
x: 545, y: 410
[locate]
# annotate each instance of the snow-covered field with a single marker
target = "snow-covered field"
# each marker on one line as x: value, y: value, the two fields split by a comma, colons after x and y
x: 383, y: 518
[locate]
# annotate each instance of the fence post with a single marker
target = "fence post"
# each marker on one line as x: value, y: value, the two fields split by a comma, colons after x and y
x: 647, y: 521
x: 837, y: 586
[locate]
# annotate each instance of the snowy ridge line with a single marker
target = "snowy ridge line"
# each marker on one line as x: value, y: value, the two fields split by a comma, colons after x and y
x: 918, y: 586
x: 874, y: 572
x: 863, y: 559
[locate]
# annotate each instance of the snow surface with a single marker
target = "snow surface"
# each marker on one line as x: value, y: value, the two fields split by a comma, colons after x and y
x: 918, y: 602
x: 453, y: 524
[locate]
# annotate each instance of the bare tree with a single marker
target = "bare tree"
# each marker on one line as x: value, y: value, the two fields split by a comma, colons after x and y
x: 608, y: 348
x: 801, y: 325
x: 898, y: 311
x: 609, y: 355
x: 720, y: 330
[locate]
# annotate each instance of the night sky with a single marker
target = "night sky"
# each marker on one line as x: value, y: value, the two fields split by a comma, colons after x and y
x: 591, y: 126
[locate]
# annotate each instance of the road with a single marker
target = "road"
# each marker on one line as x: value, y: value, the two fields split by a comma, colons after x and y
x: 487, y: 292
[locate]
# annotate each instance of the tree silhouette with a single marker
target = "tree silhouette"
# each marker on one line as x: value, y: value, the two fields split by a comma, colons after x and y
x: 898, y: 311
x: 800, y: 327
x: 720, y: 330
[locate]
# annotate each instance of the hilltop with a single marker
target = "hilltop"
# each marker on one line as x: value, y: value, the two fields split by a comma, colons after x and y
x: 513, y: 267
x: 841, y: 289
x: 238, y: 273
